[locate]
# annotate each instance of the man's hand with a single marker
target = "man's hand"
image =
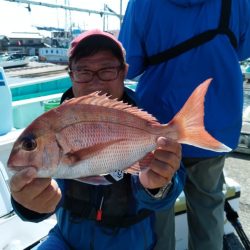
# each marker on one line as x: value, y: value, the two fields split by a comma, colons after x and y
x: 165, y: 163
x: 39, y: 195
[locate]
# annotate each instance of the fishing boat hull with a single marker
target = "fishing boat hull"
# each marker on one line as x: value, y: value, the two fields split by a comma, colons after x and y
x: 11, y: 61
x: 16, y: 233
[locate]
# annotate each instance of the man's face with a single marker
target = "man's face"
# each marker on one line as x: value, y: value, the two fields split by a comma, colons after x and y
x: 105, y: 66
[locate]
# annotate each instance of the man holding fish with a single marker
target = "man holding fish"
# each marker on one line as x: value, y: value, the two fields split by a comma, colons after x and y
x: 93, y: 216
x: 113, y: 165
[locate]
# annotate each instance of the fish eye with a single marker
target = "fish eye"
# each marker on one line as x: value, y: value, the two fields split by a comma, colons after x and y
x: 29, y: 144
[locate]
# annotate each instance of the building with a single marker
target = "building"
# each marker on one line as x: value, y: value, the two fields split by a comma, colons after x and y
x: 25, y: 43
x: 4, y: 43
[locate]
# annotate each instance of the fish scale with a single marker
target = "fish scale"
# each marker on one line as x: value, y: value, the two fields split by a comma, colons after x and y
x: 111, y: 159
x: 96, y: 134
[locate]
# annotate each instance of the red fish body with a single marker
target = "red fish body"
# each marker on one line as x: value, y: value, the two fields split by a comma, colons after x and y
x: 94, y: 135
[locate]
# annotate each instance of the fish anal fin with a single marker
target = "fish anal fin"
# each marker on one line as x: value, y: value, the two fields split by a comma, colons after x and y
x: 94, y: 180
x: 188, y: 124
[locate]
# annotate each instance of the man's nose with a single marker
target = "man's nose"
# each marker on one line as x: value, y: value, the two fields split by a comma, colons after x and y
x: 96, y: 80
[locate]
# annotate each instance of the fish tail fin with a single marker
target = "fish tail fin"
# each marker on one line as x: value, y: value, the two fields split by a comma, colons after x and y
x: 188, y: 124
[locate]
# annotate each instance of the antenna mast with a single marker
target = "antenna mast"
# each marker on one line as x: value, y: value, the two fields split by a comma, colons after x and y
x: 66, y: 7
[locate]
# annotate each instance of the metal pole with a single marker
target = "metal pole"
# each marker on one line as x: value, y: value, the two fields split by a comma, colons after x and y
x: 64, y: 7
x: 103, y: 18
x: 120, y: 13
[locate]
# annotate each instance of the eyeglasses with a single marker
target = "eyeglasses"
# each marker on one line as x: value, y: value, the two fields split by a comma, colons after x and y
x: 104, y: 74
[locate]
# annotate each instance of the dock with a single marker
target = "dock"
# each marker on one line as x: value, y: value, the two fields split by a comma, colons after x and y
x: 37, y: 69
x: 244, y: 141
x: 237, y: 167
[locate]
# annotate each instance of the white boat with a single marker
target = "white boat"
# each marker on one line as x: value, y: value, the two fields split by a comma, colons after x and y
x: 13, y: 60
x: 17, y: 234
x: 53, y: 55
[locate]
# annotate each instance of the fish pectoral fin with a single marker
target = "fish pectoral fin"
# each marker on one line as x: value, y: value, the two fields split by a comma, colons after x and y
x: 135, y: 169
x: 94, y: 180
x: 146, y: 160
x: 141, y: 165
x: 73, y: 157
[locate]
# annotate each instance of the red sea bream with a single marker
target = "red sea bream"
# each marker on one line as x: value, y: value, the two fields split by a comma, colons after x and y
x: 94, y: 135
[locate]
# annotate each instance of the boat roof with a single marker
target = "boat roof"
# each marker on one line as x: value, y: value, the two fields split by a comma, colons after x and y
x: 33, y: 35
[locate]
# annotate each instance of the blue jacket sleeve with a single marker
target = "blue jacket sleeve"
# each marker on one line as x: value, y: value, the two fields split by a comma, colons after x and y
x: 26, y: 214
x: 145, y: 201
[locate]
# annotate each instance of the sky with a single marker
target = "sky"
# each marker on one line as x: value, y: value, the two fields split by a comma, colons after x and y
x: 17, y: 17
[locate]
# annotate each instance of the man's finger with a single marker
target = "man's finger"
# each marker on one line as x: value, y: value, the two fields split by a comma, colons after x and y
x: 170, y: 145
x: 150, y: 179
x: 22, y: 178
x: 162, y: 169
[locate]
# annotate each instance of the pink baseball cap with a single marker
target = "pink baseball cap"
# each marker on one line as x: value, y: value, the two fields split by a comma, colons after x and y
x: 92, y: 33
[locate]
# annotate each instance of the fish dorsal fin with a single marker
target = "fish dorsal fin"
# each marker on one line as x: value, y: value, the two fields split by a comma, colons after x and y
x: 105, y: 101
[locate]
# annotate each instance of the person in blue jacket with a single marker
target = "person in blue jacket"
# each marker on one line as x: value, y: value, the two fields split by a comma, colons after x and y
x: 117, y: 216
x: 172, y: 46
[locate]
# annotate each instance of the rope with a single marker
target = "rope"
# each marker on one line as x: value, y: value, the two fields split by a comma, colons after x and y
x: 232, y: 217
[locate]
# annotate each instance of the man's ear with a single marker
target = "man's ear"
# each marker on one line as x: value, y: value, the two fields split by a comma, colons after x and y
x: 70, y: 74
x: 126, y: 70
